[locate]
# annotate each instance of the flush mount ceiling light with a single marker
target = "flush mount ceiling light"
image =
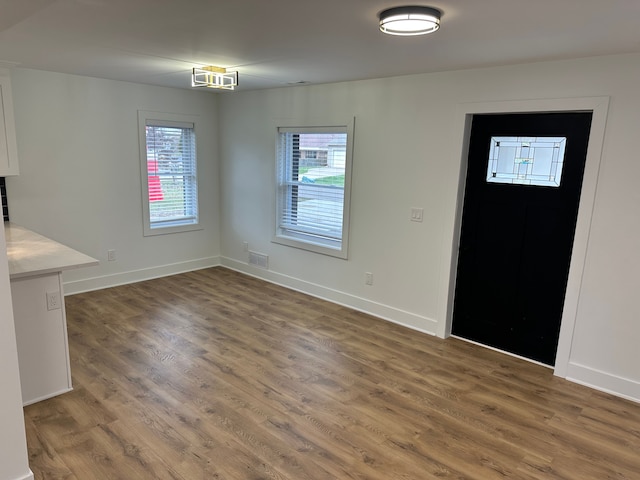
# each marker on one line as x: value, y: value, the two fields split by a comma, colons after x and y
x: 411, y: 20
x: 214, y: 77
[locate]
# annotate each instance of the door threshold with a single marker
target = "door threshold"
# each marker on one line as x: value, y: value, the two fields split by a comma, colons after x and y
x: 504, y: 352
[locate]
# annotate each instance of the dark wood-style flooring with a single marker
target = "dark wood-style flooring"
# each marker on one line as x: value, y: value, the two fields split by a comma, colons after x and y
x: 216, y: 375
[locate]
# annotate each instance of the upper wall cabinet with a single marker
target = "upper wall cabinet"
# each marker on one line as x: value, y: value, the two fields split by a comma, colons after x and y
x: 8, y: 146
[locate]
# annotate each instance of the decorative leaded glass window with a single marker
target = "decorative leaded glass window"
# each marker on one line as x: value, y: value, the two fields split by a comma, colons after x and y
x: 526, y: 160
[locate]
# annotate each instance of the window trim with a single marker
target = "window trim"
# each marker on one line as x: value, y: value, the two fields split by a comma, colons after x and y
x: 307, y: 241
x: 168, y: 120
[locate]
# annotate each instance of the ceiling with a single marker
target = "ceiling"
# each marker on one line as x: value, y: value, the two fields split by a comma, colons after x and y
x: 274, y: 43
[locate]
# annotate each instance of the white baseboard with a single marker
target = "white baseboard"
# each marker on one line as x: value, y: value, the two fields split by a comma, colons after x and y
x: 385, y: 312
x: 27, y: 476
x: 31, y: 401
x: 603, y: 381
x: 123, y: 278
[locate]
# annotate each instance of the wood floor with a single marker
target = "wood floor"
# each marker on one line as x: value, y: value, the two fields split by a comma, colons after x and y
x: 216, y: 375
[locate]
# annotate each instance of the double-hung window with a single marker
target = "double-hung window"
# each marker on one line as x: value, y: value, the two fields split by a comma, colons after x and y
x: 313, y: 188
x: 169, y: 172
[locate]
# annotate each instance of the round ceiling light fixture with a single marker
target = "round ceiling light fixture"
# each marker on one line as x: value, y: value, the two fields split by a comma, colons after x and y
x: 411, y: 20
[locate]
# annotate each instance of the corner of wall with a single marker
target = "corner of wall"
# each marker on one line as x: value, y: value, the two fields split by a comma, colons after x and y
x: 133, y: 276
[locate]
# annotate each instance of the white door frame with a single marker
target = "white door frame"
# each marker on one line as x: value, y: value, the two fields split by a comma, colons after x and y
x: 599, y: 106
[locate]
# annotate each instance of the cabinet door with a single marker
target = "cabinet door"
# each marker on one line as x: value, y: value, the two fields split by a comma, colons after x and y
x: 8, y: 146
x: 41, y: 337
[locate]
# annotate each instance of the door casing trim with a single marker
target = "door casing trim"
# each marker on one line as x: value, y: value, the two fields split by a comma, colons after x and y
x: 599, y: 106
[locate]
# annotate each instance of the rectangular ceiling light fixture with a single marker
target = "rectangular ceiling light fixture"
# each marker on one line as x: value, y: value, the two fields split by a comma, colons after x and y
x: 214, y: 77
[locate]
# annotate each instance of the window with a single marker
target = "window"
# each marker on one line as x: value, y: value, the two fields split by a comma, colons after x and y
x: 526, y: 160
x: 169, y: 173
x: 313, y: 190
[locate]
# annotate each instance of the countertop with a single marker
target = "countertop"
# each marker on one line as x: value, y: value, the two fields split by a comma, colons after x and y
x: 31, y: 254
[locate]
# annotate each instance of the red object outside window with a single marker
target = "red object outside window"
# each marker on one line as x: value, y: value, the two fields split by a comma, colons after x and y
x: 155, y: 189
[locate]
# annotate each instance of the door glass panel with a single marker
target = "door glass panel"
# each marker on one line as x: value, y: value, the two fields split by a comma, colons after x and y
x: 526, y: 160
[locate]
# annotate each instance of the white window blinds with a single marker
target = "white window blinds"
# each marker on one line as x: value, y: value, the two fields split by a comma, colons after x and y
x: 312, y: 171
x: 171, y: 173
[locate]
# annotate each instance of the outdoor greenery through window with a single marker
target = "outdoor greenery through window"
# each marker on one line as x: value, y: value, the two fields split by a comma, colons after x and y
x: 313, y: 181
x: 169, y: 176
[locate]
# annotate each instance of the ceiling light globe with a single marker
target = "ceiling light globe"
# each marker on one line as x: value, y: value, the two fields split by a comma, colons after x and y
x: 408, y: 21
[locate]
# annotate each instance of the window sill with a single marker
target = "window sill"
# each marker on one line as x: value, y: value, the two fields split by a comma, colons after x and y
x: 312, y: 244
x: 150, y: 232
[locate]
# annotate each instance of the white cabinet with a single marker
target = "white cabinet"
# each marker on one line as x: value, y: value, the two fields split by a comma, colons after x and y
x: 8, y: 145
x: 41, y: 336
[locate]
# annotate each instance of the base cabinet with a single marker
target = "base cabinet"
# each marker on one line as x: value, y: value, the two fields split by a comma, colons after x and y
x: 41, y: 336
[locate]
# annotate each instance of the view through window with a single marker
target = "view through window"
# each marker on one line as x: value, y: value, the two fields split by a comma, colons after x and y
x: 169, y: 168
x: 313, y: 172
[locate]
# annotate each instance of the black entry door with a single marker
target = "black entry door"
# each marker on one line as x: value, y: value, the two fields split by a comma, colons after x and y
x: 520, y: 209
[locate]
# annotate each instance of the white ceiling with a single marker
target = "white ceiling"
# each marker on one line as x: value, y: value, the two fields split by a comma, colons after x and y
x: 277, y: 42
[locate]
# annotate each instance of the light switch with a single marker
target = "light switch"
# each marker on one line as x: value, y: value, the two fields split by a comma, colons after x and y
x: 416, y: 214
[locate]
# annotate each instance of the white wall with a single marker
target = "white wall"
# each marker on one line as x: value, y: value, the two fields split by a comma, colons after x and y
x: 79, y: 177
x: 407, y: 154
x: 13, y: 442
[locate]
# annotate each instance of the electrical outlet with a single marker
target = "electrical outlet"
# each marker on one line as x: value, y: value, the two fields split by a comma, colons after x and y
x: 53, y: 301
x: 111, y: 255
x: 245, y: 246
x: 368, y: 278
x: 416, y: 214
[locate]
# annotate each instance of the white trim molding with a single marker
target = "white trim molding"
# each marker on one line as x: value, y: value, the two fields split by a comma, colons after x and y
x: 132, y: 276
x: 603, y: 381
x: 28, y: 476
